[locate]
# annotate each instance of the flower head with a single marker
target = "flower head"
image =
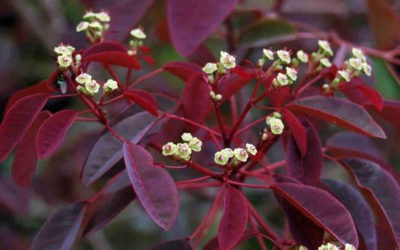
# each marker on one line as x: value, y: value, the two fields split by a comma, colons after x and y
x: 227, y: 60
x: 138, y: 33
x: 240, y: 154
x: 251, y: 149
x: 276, y: 125
x: 183, y: 151
x: 210, y: 68
x: 220, y: 158
x: 102, y: 17
x: 355, y: 63
x: 344, y: 74
x: 284, y: 56
x: 169, y: 149
x: 326, y: 48
x: 195, y: 144
x: 291, y: 73
x: 92, y: 87
x: 82, y: 26
x: 83, y: 78
x: 64, y: 49
x: 110, y: 85
x: 303, y: 57
x: 64, y: 61
x: 269, y: 54
x: 366, y: 68
x: 282, y: 79
x: 358, y: 53
x: 325, y: 62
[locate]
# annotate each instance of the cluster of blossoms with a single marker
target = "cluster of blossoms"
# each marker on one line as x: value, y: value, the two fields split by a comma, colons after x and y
x: 234, y: 156
x: 88, y: 86
x: 136, y: 41
x: 94, y: 25
x: 330, y: 246
x: 226, y: 62
x: 64, y: 55
x: 323, y: 54
x: 275, y: 123
x: 183, y: 151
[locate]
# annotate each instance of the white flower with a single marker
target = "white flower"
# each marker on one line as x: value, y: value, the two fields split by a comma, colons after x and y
x: 138, y: 33
x: 64, y: 49
x: 268, y: 54
x: 240, y: 154
x: 355, y: 63
x: 303, y: 57
x: 102, y: 17
x: 96, y: 25
x: 282, y: 79
x: 326, y: 48
x: 251, y: 149
x: 358, y: 53
x: 291, y: 73
x: 325, y: 62
x: 276, y: 125
x: 228, y: 61
x: 366, y: 69
x: 89, y: 15
x: 187, y: 136
x: 64, y: 61
x: 92, y: 87
x: 220, y: 158
x: 110, y: 85
x: 345, y: 75
x: 83, y: 78
x: 169, y: 149
x: 82, y: 26
x: 284, y: 56
x: 210, y: 68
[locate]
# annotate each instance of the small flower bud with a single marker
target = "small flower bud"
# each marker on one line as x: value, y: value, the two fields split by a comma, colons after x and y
x: 268, y: 54
x: 228, y: 61
x: 358, y: 53
x: 102, y: 17
x: 284, y: 56
x: 251, y: 149
x: 169, y: 149
x: 277, y: 115
x: 326, y: 48
x: 282, y: 79
x: 138, y: 33
x: 276, y: 125
x: 344, y: 74
x: 210, y: 68
x: 303, y: 248
x: 303, y: 57
x: 212, y: 95
x: 83, y: 78
x: 82, y: 26
x: 355, y: 63
x: 78, y: 58
x: 291, y: 73
x: 92, y: 87
x: 218, y: 97
x: 183, y: 151
x: 264, y: 136
x: 187, y: 137
x: 110, y: 86
x: 366, y: 68
x: 64, y: 61
x: 325, y: 62
x: 195, y: 144
x: 240, y: 154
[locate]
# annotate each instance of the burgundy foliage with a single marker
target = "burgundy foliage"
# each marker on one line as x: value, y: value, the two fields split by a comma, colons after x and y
x: 336, y: 132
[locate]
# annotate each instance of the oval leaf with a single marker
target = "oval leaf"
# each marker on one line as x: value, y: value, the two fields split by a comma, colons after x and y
x: 183, y: 70
x: 234, y: 220
x: 339, y: 111
x: 322, y: 208
x: 358, y: 208
x: 53, y: 131
x: 60, y: 230
x: 381, y: 190
x: 154, y: 187
x: 144, y: 99
x: 306, y: 169
x: 106, y: 46
x: 17, y: 121
x: 107, y: 151
x: 196, y: 99
x: 199, y: 21
x: 359, y: 93
x: 298, y: 132
x: 114, y: 58
x: 25, y: 156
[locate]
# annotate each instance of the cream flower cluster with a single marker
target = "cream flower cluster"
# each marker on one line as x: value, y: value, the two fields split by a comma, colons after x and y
x: 183, y: 151
x: 234, y: 156
x: 88, y: 86
x: 330, y: 246
x: 226, y: 62
x: 136, y: 41
x: 94, y: 25
x: 64, y: 55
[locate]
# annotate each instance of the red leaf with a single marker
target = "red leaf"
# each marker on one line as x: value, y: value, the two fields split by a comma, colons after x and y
x: 113, y: 58
x: 17, y: 121
x: 148, y: 59
x: 144, y: 99
x: 107, y: 46
x: 154, y: 187
x: 382, y: 192
x: 232, y: 84
x: 190, y: 21
x: 183, y: 70
x: 25, y: 156
x: 53, y: 131
x: 109, y: 202
x: 196, y: 99
x: 234, y: 220
x: 339, y: 111
x: 322, y: 208
x: 305, y: 168
x: 358, y: 208
x: 61, y: 229
x: 359, y: 93
x: 297, y: 130
x: 280, y: 96
x: 107, y: 151
x: 213, y: 244
x: 390, y: 112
